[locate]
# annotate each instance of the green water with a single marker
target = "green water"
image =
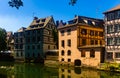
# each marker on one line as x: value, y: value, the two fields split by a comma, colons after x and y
x: 23, y: 70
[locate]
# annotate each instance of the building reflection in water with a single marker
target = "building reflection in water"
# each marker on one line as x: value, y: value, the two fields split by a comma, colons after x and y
x: 22, y: 70
x: 77, y: 73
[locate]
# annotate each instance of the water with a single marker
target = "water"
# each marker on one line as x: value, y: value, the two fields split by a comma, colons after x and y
x: 23, y: 70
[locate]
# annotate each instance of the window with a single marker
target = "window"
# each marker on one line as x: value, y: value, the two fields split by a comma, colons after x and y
x: 28, y: 55
x: 110, y: 29
x: 83, y: 53
x: 109, y: 55
x: 69, y: 71
x: 33, y: 39
x: 69, y: 42
x: 48, y: 46
x: 117, y: 55
x: 62, y: 59
x: 96, y: 33
x: 38, y: 46
x: 109, y: 41
x: 62, y: 52
x: 38, y: 39
x: 118, y: 16
x: 62, y: 70
x: 101, y: 34
x: 92, y: 42
x: 92, y: 53
x: 62, y: 43
x: 117, y: 28
x: 17, y: 54
x: 21, y: 53
x: 83, y: 41
x: 28, y: 47
x: 33, y: 47
x: 69, y: 60
x: 100, y: 42
x: 91, y: 33
x: 84, y: 31
x: 117, y: 41
x: 69, y: 53
x: 62, y: 33
x: 33, y: 55
x: 68, y: 31
x: 96, y: 42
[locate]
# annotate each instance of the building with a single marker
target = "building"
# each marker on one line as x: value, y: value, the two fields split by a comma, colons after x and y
x: 10, y: 41
x: 112, y: 34
x: 19, y: 44
x: 81, y: 42
x: 38, y: 38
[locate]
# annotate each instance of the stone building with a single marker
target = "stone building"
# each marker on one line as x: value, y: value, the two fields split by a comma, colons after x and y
x: 38, y: 39
x: 81, y: 42
x: 112, y: 34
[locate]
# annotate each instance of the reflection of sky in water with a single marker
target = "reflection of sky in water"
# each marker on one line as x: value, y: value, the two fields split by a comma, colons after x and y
x: 22, y: 70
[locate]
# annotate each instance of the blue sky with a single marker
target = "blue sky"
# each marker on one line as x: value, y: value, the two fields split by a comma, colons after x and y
x: 12, y: 19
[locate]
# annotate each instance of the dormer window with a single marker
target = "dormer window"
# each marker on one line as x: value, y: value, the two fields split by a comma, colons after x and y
x: 43, y: 20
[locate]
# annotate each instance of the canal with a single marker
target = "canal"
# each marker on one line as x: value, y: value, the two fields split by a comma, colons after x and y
x: 24, y: 70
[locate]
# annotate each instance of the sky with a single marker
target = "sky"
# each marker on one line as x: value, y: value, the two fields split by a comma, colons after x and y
x: 12, y: 19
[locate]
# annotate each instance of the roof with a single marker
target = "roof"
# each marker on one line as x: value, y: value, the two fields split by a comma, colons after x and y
x: 113, y: 9
x: 39, y: 23
x: 21, y: 29
x: 82, y: 20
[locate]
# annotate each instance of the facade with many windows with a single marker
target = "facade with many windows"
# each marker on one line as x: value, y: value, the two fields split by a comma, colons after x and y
x: 81, y: 42
x: 38, y: 38
x: 112, y: 34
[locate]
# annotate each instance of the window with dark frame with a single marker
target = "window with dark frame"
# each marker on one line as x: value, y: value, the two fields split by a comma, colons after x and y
x: 96, y: 42
x: 69, y: 42
x: 84, y: 31
x: 91, y: 32
x: 62, y: 52
x: 62, y: 43
x: 68, y: 31
x: 62, y: 33
x: 92, y: 42
x: 83, y: 53
x: 69, y: 60
x: 69, y: 52
x: 109, y: 55
x: 83, y: 41
x: 62, y: 59
x: 92, y: 53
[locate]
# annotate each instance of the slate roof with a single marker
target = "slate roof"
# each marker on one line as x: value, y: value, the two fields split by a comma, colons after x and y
x: 113, y: 9
x: 84, y: 20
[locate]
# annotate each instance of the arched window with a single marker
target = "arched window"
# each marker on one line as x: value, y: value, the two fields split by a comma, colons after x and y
x: 69, y: 53
x: 62, y: 52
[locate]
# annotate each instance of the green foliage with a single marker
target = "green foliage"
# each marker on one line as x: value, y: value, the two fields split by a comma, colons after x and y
x: 3, y: 35
x: 15, y: 3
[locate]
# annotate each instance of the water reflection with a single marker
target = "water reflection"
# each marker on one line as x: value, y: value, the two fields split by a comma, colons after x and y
x: 22, y: 70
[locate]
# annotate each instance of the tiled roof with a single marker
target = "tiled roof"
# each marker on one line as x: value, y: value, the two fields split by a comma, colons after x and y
x: 39, y: 23
x: 113, y: 9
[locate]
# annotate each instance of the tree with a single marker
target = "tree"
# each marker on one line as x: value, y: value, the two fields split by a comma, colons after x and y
x: 15, y: 3
x: 3, y: 35
x: 18, y: 3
